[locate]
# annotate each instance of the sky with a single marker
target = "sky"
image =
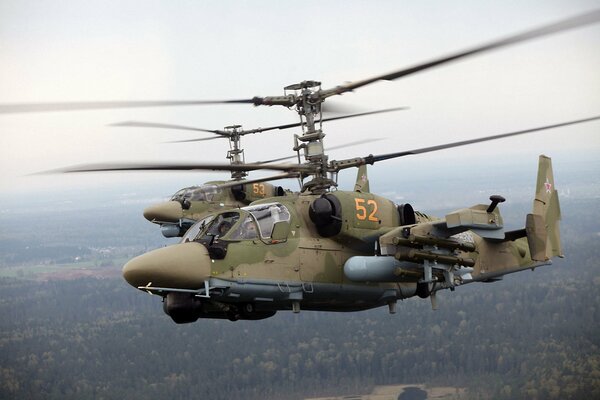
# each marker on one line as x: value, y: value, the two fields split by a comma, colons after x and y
x: 193, y: 50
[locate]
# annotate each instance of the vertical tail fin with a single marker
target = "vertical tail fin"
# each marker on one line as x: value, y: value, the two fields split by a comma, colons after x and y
x: 362, y: 180
x: 542, y: 225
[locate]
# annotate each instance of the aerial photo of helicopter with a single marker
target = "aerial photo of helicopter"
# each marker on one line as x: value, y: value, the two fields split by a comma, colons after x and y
x: 329, y: 249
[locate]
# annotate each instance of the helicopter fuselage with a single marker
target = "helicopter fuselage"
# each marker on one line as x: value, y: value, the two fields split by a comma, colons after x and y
x: 295, y: 259
x: 340, y: 251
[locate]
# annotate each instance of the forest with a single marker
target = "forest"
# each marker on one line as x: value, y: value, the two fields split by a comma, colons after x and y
x: 534, y: 335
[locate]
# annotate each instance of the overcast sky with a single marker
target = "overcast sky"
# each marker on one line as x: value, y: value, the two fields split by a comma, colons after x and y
x: 180, y: 50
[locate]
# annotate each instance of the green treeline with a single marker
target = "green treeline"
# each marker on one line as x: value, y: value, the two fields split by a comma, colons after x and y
x: 99, y: 339
x: 535, y: 335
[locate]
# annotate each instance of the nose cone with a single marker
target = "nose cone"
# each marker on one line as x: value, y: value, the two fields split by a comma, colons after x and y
x: 184, y: 265
x: 169, y: 211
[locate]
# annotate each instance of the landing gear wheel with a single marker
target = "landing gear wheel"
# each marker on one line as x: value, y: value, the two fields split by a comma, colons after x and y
x: 233, y: 316
x: 247, y: 310
x: 424, y: 289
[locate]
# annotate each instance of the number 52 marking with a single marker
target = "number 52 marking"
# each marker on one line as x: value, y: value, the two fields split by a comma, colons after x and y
x: 361, y: 210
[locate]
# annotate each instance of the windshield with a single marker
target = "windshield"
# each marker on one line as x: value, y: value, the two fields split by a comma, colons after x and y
x: 247, y: 230
x: 195, y: 229
x: 179, y: 195
x: 266, y: 215
x: 256, y: 221
x: 197, y: 193
x: 220, y: 225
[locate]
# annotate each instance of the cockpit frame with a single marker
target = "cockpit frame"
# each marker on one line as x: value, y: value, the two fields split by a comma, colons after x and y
x: 247, y: 223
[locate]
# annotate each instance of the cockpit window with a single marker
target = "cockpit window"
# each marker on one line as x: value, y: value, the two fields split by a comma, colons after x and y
x: 259, y: 223
x: 205, y: 192
x: 221, y: 224
x: 193, y: 232
x: 247, y: 230
x: 266, y: 215
x: 197, y: 193
x: 179, y: 195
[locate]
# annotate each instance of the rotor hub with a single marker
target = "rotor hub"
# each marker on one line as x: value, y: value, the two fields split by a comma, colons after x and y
x: 236, y: 153
x: 303, y: 85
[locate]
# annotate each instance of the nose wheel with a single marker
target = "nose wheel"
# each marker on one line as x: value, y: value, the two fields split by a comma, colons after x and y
x: 424, y: 289
x: 243, y: 311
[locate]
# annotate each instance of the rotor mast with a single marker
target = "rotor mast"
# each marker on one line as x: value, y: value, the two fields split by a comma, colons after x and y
x: 235, y: 153
x: 307, y: 101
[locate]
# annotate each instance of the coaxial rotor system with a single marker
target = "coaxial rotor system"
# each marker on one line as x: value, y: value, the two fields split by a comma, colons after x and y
x: 292, y: 170
x: 308, y: 95
x: 234, y: 134
x: 307, y: 99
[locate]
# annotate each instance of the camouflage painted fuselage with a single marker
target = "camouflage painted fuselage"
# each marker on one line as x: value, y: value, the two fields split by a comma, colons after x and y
x: 340, y: 251
x: 307, y: 267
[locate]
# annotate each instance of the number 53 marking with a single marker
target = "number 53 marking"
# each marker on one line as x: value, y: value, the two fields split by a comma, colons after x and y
x: 361, y: 210
x: 258, y: 189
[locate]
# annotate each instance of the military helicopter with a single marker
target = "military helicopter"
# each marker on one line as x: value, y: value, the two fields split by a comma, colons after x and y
x: 335, y: 250
x: 190, y: 204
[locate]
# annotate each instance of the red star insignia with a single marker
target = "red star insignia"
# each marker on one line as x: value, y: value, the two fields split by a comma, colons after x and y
x: 548, y: 186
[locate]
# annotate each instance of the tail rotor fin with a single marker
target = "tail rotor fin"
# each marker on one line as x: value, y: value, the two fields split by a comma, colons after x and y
x: 362, y: 180
x: 542, y: 225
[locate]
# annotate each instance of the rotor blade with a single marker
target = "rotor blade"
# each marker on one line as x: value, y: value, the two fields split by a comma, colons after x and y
x: 341, y: 146
x: 570, y: 23
x: 258, y: 180
x: 294, y: 125
x: 566, y: 24
x: 141, y: 124
x: 101, y: 105
x: 357, y: 142
x: 195, y: 140
x: 372, y: 159
x: 277, y: 159
x: 365, y: 113
x: 335, y: 108
x: 179, y: 167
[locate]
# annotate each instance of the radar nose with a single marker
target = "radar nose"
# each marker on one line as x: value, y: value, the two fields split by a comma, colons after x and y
x: 169, y: 211
x: 184, y: 265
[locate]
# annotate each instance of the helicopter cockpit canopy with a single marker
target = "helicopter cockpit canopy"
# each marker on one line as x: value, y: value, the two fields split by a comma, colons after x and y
x: 193, y: 232
x: 246, y: 223
x: 266, y: 215
x: 196, y: 193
